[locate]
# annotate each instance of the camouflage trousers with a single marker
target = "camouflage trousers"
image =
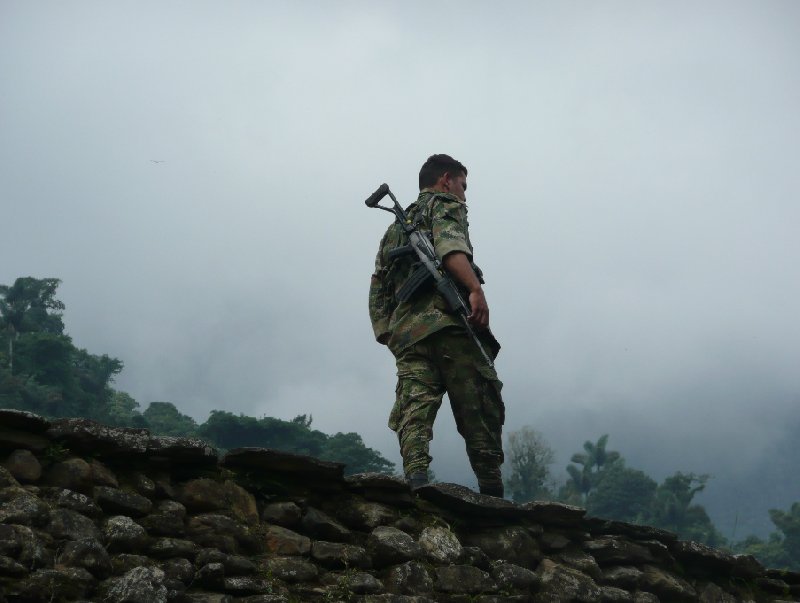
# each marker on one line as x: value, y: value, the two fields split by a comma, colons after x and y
x: 449, y: 361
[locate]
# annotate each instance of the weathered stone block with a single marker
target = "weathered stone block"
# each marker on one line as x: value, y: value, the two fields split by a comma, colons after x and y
x: 291, y: 569
x: 203, y: 494
x: 222, y: 532
x: 338, y: 555
x: 122, y: 563
x: 388, y: 546
x: 75, y: 501
x: 123, y: 535
x: 165, y: 548
x: 62, y: 584
x: 286, y: 514
x: 71, y: 474
x: 102, y: 475
x: 18, y: 506
x: 180, y: 569
x: 513, y: 577
x: 666, y: 585
x: 89, y: 554
x: 612, y: 594
x: 23, y: 465
x: 463, y: 579
x: 285, y: 542
x: 440, y: 545
x: 70, y: 525
x: 410, y: 578
x: 514, y: 544
x: 614, y: 550
x: 112, y: 500
x: 561, y: 583
x: 579, y: 560
x: 627, y: 577
x: 139, y: 585
x: 320, y: 525
x: 365, y: 515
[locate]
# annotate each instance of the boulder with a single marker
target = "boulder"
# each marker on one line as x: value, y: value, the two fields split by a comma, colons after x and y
x: 24, y: 466
x: 389, y: 546
x: 440, y: 545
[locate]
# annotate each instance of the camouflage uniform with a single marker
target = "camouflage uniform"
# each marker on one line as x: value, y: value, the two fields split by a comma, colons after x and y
x: 434, y: 353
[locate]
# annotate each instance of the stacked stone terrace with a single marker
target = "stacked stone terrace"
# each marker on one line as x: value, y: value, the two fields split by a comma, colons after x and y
x: 93, y: 513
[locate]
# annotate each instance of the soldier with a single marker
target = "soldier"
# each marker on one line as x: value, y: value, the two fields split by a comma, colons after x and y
x: 433, y: 351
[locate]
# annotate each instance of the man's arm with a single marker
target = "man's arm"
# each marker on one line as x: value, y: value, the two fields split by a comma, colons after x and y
x: 458, y: 266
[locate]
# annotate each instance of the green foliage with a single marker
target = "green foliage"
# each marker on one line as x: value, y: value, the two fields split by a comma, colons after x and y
x: 672, y: 509
x: 529, y: 457
x: 587, y: 471
x: 782, y: 549
x: 163, y: 418
x: 622, y: 493
x: 789, y: 524
x: 349, y: 448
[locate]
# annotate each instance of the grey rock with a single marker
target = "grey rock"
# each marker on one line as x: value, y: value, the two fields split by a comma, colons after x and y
x: 463, y: 579
x: 379, y: 487
x: 163, y: 524
x: 615, y: 550
x: 29, y: 548
x: 612, y: 594
x: 626, y: 577
x: 362, y: 583
x: 641, y: 596
x: 513, y: 577
x: 324, y: 474
x: 607, y: 527
x: 7, y: 480
x: 181, y: 451
x: 23, y: 420
x: 123, y: 535
x: 236, y: 565
x: 164, y: 548
x: 553, y: 541
x: 71, y: 474
x: 246, y: 585
x: 209, y: 555
x: 714, y: 594
x: 22, y: 508
x: 67, y: 524
x: 699, y: 555
x: 410, y: 578
x: 89, y: 554
x: 440, y: 545
x: 112, y: 500
x: 211, y: 575
x: 286, y: 514
x: 561, y: 583
x: 102, y: 475
x: 481, y: 508
x: 139, y: 585
x: 336, y: 555
x: 18, y: 438
x: 199, y: 495
x: 75, y: 501
x: 23, y: 465
x: 220, y: 531
x: 9, y: 567
x: 365, y: 515
x: 665, y: 585
x: 291, y: 569
x: 124, y: 562
x: 143, y: 484
x: 321, y: 526
x: 87, y: 436
x: 391, y: 598
x: 67, y: 583
x: 472, y: 555
x: 180, y: 569
x: 553, y: 513
x: 514, y: 544
x: 389, y: 546
x: 207, y: 598
x: 285, y: 542
x: 580, y: 560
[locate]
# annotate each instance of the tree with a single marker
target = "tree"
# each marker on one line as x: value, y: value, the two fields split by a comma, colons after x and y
x: 164, y: 419
x: 122, y: 411
x: 529, y: 457
x: 624, y: 494
x: 673, y: 510
x: 788, y: 522
x: 349, y: 448
x: 588, y: 470
x: 30, y: 305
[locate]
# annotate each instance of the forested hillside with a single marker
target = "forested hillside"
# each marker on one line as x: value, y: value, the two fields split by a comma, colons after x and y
x: 42, y: 371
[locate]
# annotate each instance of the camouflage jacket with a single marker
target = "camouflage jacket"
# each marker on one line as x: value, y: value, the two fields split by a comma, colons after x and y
x: 400, y: 325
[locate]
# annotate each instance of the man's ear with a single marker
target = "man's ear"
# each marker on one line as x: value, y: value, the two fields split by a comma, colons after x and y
x: 446, y: 181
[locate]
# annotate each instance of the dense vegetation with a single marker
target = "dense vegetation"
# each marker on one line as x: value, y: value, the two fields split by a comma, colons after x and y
x: 600, y: 480
x: 42, y: 371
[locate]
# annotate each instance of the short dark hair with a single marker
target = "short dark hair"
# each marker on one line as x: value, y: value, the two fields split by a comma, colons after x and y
x: 437, y: 166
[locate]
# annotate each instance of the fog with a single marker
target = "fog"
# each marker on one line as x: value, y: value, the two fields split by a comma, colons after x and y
x: 195, y: 172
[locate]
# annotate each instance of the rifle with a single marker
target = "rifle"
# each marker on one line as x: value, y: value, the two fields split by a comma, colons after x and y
x: 430, y: 265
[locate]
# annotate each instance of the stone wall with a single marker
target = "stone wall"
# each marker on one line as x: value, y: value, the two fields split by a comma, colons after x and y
x: 92, y: 513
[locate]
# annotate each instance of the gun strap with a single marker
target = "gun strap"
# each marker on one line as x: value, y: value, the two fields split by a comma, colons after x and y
x: 421, y: 276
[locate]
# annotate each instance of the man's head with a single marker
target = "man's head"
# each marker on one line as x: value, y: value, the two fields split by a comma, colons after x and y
x: 445, y: 174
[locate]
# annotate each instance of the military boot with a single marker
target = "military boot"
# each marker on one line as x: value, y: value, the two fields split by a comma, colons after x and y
x: 417, y: 479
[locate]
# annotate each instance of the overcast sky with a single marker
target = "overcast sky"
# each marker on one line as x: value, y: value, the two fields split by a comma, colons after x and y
x: 195, y: 173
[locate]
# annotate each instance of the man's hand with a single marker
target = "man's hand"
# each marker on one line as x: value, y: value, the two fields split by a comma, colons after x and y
x: 458, y: 266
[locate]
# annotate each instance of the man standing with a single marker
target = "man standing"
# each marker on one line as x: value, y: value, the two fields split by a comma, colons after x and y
x: 433, y: 350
